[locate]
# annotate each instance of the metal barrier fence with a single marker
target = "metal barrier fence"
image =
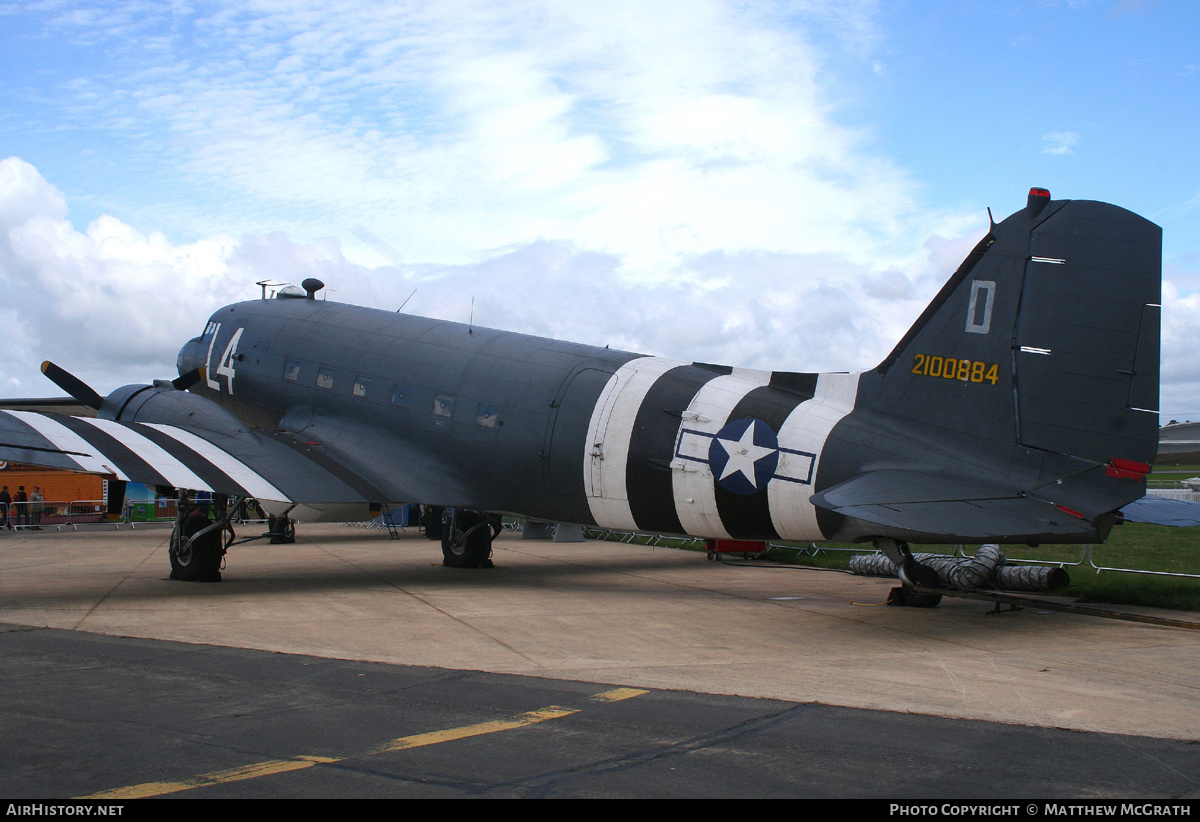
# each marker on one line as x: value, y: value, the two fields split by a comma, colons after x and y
x: 638, y: 538
x: 149, y: 510
x: 1160, y: 545
x: 53, y: 514
x: 59, y: 514
x: 166, y: 509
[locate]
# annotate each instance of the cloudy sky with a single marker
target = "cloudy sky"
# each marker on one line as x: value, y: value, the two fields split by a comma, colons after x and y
x: 770, y: 184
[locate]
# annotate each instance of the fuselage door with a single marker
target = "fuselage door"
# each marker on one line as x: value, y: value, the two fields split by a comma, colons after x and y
x: 567, y: 429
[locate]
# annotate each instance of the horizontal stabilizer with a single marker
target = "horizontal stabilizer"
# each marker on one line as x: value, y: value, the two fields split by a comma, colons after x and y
x: 892, y: 487
x: 1178, y: 513
x: 942, y: 508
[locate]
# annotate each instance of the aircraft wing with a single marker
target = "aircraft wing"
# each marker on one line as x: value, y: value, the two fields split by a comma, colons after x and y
x: 275, y: 468
x: 938, y: 506
x: 405, y: 470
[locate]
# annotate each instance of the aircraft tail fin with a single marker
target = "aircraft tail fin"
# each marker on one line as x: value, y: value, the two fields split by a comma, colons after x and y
x: 1046, y: 336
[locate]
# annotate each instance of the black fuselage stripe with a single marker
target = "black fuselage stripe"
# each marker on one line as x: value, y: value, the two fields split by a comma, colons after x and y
x: 802, y: 385
x: 648, y: 474
x: 115, y: 451
x: 198, y: 465
x: 748, y: 516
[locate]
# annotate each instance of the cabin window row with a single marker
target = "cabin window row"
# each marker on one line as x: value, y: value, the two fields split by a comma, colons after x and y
x: 486, y: 414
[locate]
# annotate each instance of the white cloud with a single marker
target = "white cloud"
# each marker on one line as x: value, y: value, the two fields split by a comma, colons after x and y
x: 110, y: 297
x: 650, y: 130
x: 678, y: 168
x: 1060, y: 142
x: 674, y: 165
x: 113, y: 304
x: 1180, y: 394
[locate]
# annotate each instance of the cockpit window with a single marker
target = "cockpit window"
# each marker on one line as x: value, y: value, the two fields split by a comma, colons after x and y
x: 209, y: 330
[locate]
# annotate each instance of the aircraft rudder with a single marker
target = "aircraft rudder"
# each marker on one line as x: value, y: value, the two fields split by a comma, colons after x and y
x: 1086, y: 349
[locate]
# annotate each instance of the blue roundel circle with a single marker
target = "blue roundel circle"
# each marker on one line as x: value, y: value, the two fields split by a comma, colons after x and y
x: 743, y: 456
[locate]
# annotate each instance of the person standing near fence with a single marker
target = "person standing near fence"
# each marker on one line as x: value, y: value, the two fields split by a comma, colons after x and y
x: 21, y: 504
x: 36, y: 507
x: 5, y: 502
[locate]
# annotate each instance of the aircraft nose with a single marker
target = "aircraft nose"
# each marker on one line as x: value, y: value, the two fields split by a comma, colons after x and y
x: 191, y: 356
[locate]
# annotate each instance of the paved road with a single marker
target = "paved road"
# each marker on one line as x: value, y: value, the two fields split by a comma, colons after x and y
x: 118, y: 718
x: 351, y: 665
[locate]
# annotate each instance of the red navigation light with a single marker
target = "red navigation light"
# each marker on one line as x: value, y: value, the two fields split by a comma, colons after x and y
x: 1038, y: 199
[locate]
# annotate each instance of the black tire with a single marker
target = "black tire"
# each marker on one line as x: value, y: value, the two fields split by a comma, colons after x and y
x: 915, y: 573
x: 283, y: 530
x: 467, y: 541
x: 432, y: 520
x: 201, y: 562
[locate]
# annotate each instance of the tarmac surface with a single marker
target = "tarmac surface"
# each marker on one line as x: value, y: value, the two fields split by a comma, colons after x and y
x: 352, y: 665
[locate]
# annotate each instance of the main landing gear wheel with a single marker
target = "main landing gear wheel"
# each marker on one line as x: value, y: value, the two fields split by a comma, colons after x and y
x: 431, y: 519
x: 198, y: 560
x: 467, y: 539
x: 283, y: 530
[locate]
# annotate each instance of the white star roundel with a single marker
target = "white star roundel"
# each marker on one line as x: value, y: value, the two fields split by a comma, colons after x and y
x: 743, y: 456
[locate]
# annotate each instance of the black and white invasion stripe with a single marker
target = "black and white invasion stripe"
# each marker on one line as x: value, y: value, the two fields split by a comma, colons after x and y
x: 652, y: 431
x: 149, y: 453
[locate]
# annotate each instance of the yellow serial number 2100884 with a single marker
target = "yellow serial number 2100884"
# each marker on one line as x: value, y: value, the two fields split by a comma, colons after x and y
x: 950, y: 368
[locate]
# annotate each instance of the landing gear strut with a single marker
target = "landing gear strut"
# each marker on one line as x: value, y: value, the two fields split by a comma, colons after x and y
x: 467, y: 538
x: 912, y: 573
x: 197, y: 548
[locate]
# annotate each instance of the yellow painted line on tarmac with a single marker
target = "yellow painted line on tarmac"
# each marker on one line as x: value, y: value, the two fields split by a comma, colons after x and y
x: 434, y: 737
x: 274, y: 766
x: 271, y: 766
x: 618, y: 694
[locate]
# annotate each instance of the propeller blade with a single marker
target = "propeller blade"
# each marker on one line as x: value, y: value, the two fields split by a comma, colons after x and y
x: 74, y: 386
x: 185, y: 381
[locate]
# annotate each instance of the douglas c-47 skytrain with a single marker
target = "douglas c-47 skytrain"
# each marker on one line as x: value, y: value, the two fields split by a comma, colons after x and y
x: 1022, y: 407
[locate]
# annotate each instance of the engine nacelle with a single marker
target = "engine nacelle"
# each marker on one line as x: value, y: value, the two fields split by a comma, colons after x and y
x: 165, y: 404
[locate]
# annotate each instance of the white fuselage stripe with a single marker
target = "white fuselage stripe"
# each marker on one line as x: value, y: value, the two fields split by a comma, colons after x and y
x: 87, y: 456
x: 606, y: 454
x: 254, y: 484
x: 171, y: 469
x: 691, y: 477
x: 805, y: 433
